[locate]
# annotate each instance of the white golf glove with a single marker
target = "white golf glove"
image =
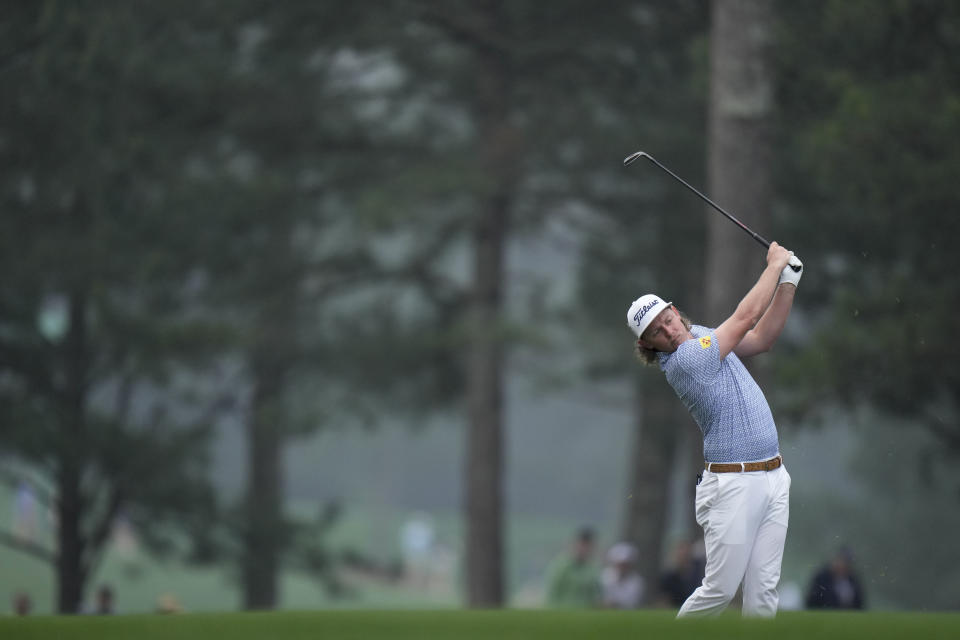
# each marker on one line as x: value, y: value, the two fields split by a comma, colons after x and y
x: 789, y: 274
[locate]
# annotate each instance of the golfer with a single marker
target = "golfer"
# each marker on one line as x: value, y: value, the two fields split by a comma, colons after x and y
x: 743, y: 497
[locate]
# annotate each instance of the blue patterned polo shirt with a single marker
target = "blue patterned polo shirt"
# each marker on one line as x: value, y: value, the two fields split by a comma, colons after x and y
x: 723, y: 398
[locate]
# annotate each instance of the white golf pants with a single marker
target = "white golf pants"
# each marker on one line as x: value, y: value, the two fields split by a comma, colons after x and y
x: 744, y: 518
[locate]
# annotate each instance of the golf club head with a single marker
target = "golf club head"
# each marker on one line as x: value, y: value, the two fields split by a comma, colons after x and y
x: 633, y: 157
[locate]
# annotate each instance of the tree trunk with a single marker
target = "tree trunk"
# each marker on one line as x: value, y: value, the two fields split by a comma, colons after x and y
x: 739, y: 155
x: 272, y: 357
x: 71, y: 572
x: 266, y: 533
x: 741, y: 99
x: 264, y: 521
x: 654, y: 440
x: 485, y: 456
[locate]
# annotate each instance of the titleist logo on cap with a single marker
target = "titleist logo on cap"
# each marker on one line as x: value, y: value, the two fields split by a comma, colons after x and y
x: 638, y: 316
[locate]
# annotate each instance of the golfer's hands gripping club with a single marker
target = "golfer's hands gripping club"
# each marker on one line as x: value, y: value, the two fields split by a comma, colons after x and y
x: 792, y: 272
x: 777, y: 256
x: 784, y: 261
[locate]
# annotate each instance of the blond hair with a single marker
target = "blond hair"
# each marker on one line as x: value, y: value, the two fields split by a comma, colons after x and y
x: 649, y: 356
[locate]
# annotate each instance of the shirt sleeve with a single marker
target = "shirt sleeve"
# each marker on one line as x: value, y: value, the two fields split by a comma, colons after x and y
x: 699, y: 358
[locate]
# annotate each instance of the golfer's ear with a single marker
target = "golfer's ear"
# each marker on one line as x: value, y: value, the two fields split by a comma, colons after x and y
x: 643, y: 343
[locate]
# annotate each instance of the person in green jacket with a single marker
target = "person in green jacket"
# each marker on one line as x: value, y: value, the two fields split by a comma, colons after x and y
x: 573, y: 579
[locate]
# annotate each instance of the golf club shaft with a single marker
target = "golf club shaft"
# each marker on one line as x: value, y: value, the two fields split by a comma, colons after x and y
x: 635, y: 156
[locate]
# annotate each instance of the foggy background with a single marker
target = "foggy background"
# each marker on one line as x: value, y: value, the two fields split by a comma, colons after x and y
x: 321, y: 304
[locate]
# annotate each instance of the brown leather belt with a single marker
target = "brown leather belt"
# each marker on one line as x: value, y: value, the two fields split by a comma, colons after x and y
x: 740, y: 467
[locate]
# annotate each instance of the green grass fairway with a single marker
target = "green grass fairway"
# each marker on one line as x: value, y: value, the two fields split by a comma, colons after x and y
x: 474, y: 625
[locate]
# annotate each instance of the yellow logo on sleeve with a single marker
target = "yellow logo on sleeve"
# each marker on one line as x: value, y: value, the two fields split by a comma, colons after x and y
x: 705, y: 342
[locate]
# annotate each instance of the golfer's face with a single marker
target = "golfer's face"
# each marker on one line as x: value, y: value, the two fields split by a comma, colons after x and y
x: 666, y: 332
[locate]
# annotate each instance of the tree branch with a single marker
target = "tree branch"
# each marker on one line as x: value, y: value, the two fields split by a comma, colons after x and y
x: 462, y: 30
x: 26, y: 363
x: 11, y: 541
x: 950, y: 437
x: 355, y: 268
x: 13, y: 481
x: 98, y: 538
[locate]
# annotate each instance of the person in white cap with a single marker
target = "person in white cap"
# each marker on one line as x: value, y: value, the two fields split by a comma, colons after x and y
x: 622, y: 584
x: 742, y: 499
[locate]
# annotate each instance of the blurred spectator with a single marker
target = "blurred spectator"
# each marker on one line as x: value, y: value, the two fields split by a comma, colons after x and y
x: 416, y: 542
x: 25, y: 512
x: 104, y: 600
x: 621, y: 582
x: 573, y: 579
x: 168, y: 603
x: 684, y: 574
x: 22, y: 604
x: 836, y: 585
x: 124, y: 537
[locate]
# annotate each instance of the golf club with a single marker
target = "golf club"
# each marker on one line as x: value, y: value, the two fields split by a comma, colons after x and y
x: 642, y: 154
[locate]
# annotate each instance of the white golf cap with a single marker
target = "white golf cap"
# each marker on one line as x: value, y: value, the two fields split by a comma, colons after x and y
x: 643, y: 310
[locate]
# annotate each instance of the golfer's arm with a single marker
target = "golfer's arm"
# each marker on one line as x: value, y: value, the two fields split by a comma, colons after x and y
x: 763, y: 336
x: 749, y: 312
